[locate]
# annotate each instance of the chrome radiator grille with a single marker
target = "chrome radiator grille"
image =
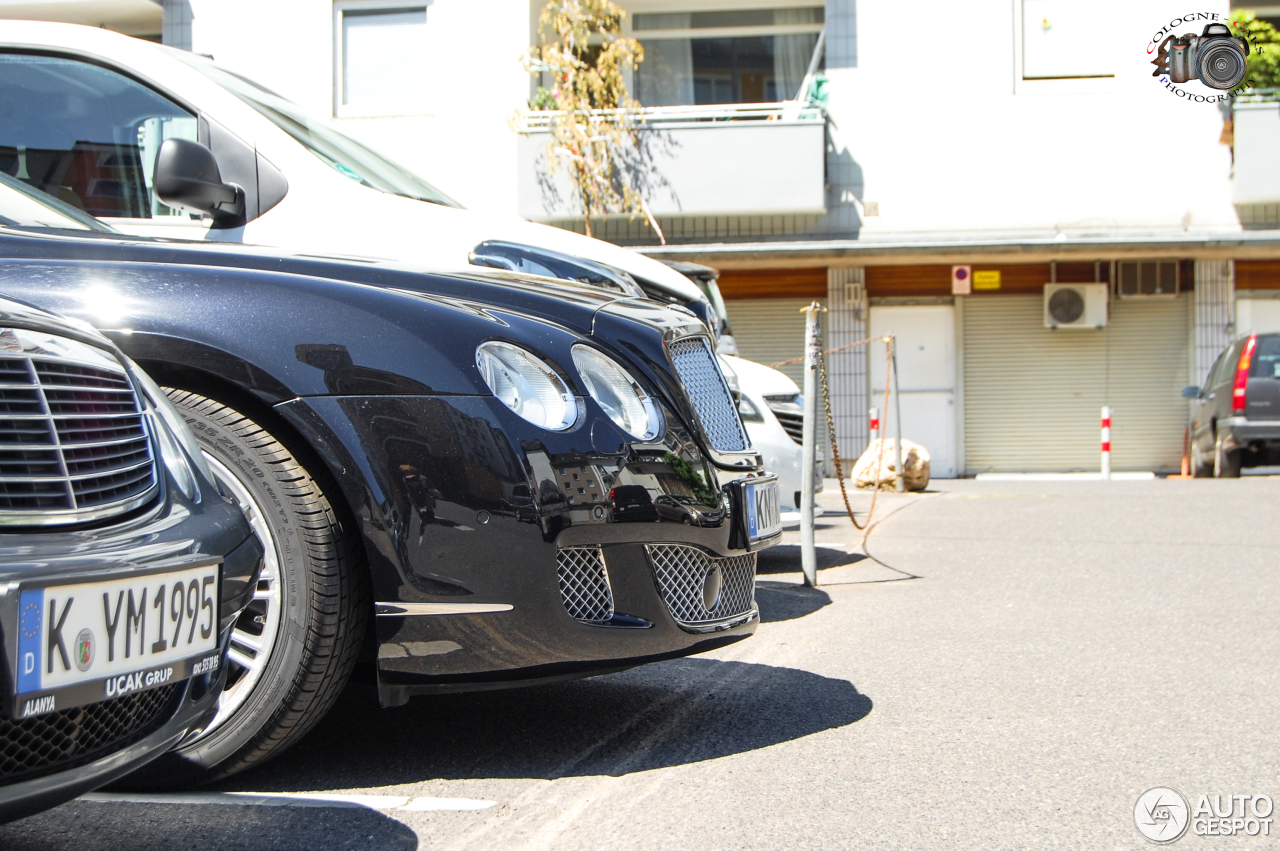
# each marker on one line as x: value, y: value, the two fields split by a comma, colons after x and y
x: 73, y: 443
x: 790, y: 414
x: 584, y: 584
x: 683, y: 572
x: 709, y: 394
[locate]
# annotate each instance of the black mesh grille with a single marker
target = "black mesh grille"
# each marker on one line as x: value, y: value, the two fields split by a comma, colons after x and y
x: 683, y: 573
x: 72, y: 439
x: 584, y: 584
x: 709, y: 394
x: 70, y: 737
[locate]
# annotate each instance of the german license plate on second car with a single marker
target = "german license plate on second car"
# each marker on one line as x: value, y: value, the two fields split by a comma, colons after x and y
x: 90, y: 641
x: 764, y: 514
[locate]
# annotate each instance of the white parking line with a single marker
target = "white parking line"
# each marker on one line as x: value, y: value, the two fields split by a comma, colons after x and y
x: 383, y: 803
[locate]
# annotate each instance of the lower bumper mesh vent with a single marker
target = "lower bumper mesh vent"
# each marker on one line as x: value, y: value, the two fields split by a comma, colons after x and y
x: 61, y: 740
x: 584, y: 584
x: 689, y: 579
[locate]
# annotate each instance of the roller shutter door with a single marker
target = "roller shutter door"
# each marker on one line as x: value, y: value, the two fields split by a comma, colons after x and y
x: 769, y: 330
x: 1032, y: 395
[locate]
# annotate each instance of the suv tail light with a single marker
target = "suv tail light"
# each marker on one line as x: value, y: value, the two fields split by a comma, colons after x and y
x: 1240, y: 389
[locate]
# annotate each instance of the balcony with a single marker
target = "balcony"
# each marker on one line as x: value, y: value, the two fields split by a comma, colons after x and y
x: 1255, y: 176
x: 698, y: 161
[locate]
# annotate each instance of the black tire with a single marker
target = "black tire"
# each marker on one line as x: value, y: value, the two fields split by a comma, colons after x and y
x: 1201, y: 468
x: 323, y: 604
x: 1226, y: 465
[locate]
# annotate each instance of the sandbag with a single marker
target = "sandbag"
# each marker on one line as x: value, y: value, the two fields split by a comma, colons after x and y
x: 915, y: 462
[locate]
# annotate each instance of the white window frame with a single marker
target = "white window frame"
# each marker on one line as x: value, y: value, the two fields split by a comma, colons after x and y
x: 340, y: 8
x: 1062, y: 86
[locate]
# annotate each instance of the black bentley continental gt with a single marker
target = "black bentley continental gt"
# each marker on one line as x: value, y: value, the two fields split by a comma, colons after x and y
x: 445, y: 459
x: 122, y: 566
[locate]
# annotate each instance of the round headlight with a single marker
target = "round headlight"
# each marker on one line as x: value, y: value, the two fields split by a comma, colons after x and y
x: 527, y: 386
x: 618, y: 393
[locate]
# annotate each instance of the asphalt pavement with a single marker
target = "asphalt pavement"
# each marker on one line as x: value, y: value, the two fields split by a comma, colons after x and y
x: 1004, y: 665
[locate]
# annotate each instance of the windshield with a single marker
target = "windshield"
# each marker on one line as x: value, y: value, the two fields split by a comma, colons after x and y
x: 24, y: 207
x: 319, y: 136
x: 712, y: 291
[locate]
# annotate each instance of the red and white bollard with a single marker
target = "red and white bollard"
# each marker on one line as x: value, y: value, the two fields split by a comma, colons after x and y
x: 1106, y: 443
x: 874, y: 430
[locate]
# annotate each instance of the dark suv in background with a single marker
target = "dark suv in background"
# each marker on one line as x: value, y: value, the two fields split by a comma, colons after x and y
x: 1237, y: 412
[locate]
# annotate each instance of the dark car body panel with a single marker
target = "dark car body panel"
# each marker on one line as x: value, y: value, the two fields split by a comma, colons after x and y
x: 459, y: 501
x: 171, y: 528
x: 1255, y: 432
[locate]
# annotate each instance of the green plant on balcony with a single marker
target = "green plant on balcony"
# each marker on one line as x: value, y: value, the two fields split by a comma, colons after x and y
x: 1263, y: 62
x: 584, y: 57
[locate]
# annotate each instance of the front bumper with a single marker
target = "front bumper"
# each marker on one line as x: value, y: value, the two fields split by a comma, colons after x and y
x: 467, y: 511
x: 126, y: 731
x: 192, y: 704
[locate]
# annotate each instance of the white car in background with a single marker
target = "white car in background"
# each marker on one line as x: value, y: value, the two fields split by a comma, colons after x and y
x: 773, y: 411
x: 87, y: 111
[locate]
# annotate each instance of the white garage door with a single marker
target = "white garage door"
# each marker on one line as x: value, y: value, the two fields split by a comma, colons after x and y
x: 769, y: 330
x: 1032, y: 395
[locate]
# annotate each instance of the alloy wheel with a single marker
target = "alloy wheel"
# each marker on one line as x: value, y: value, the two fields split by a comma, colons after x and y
x: 257, y: 630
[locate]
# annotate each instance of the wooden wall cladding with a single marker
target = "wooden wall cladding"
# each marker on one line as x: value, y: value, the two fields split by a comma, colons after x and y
x: 1258, y: 274
x: 923, y: 281
x: 773, y: 283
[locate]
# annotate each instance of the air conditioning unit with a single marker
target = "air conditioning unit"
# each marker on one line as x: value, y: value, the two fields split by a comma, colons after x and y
x: 1075, y: 305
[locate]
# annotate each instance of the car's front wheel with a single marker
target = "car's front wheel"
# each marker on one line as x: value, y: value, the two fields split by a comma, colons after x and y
x: 293, y: 648
x: 1201, y: 467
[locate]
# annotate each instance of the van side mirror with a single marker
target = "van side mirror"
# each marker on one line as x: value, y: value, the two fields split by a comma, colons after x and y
x: 187, y: 177
x: 1192, y: 392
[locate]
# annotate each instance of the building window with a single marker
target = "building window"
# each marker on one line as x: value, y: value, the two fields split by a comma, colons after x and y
x: 379, y: 57
x: 745, y: 56
x: 1147, y: 277
x: 1064, y: 39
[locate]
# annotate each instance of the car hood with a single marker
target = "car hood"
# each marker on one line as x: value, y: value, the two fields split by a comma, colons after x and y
x: 760, y: 380
x: 565, y: 303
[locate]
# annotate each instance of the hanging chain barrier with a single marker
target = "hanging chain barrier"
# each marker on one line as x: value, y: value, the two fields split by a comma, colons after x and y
x: 831, y: 430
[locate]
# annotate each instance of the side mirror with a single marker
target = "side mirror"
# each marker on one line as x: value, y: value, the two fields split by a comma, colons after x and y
x: 1192, y: 392
x: 187, y: 177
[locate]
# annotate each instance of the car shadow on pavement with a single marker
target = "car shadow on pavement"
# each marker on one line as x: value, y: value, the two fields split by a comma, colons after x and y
x: 93, y: 826
x: 785, y: 558
x: 784, y: 601
x: 665, y: 714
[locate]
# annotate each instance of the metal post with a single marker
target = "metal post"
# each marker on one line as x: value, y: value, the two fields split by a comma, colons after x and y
x: 901, y: 484
x: 812, y: 340
x: 1106, y: 443
x: 873, y: 430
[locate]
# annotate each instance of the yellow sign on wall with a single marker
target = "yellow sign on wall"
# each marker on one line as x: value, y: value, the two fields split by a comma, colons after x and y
x: 988, y: 279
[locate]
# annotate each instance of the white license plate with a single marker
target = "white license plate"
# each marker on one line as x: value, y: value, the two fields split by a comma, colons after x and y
x: 764, y: 513
x: 125, y: 634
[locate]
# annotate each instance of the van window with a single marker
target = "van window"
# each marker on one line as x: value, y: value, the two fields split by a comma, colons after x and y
x: 84, y: 134
x: 1266, y: 357
x: 25, y: 208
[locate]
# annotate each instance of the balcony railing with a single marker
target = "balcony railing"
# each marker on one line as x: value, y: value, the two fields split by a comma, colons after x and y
x: 679, y: 116
x: 714, y: 160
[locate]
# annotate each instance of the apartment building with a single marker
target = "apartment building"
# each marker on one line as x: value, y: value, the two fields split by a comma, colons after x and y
x: 961, y: 165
